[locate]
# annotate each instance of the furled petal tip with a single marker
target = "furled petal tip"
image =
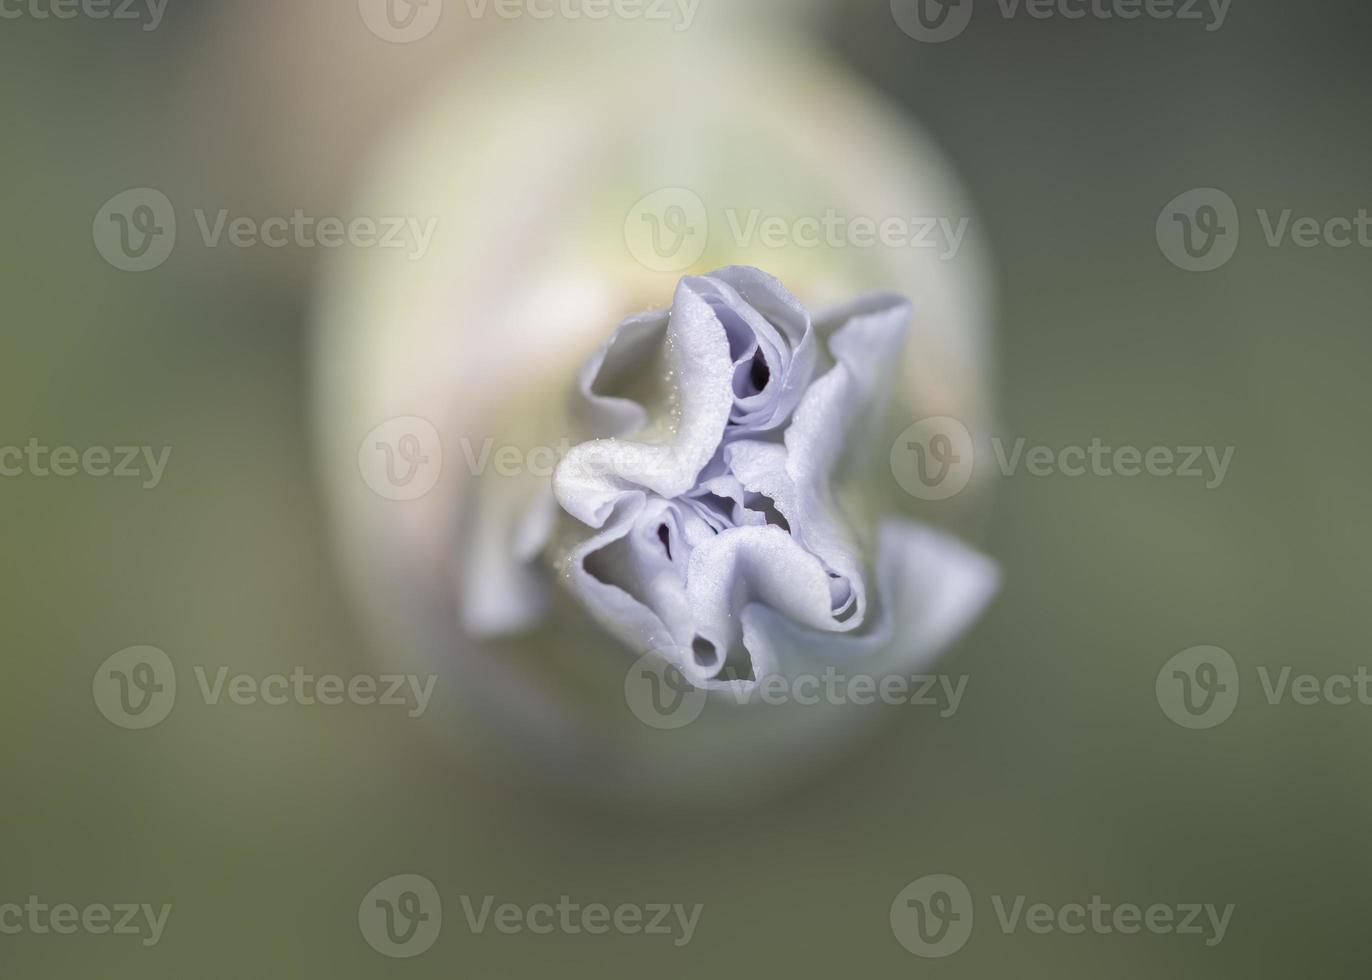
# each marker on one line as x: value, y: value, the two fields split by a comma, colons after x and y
x: 710, y: 527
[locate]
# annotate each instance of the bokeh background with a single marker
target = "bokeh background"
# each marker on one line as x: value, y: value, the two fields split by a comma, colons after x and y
x: 1059, y: 778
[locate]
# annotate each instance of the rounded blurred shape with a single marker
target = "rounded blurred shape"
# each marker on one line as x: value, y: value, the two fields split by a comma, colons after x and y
x: 563, y: 204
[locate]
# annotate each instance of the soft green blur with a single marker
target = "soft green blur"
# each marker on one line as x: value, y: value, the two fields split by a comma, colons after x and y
x: 1060, y: 778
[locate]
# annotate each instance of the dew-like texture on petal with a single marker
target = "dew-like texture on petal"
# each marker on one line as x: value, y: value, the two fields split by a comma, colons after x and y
x: 932, y: 587
x: 596, y: 474
x: 715, y: 538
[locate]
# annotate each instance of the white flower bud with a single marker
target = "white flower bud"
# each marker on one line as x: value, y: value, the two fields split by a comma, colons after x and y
x: 544, y: 191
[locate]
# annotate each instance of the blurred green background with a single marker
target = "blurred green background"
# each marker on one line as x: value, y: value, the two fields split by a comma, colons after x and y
x: 1060, y: 778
